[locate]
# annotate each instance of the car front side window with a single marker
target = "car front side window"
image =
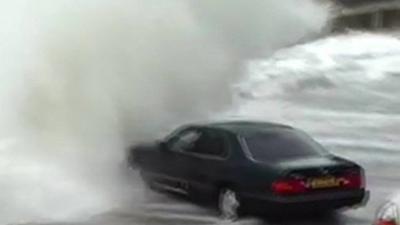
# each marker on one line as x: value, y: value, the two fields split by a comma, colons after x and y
x: 184, y: 141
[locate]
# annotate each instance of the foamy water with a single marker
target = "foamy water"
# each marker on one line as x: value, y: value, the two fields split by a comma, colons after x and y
x: 82, y: 80
x: 350, y: 122
x: 342, y: 89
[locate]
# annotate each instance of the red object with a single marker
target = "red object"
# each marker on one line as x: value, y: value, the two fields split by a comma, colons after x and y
x: 289, y: 187
x: 353, y: 180
x: 386, y: 222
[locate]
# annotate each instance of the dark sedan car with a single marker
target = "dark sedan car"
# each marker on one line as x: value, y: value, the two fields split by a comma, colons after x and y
x: 251, y: 167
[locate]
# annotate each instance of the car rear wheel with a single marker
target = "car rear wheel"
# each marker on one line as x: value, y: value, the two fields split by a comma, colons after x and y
x: 228, y: 204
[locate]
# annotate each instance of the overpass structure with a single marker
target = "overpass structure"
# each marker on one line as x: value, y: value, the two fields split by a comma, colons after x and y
x: 365, y: 14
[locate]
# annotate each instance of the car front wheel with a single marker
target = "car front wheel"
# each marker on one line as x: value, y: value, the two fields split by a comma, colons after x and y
x: 228, y: 204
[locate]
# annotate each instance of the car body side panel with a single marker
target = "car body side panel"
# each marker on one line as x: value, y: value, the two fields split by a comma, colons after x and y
x: 146, y: 157
x: 159, y: 165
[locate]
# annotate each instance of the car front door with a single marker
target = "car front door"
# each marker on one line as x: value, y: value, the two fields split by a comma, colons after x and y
x: 208, y: 161
x: 176, y: 162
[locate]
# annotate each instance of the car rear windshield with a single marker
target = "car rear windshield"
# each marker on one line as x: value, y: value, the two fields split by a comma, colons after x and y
x: 280, y: 145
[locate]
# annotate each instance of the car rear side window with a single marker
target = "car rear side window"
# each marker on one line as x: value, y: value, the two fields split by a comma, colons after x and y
x: 272, y: 146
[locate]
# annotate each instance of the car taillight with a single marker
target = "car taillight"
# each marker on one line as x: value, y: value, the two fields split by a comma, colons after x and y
x: 353, y: 180
x: 289, y: 187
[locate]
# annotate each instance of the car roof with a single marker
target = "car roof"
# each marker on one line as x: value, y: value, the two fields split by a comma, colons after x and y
x: 245, y: 127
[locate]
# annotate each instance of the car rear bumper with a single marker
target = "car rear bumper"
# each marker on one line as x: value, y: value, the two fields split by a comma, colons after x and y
x: 306, y: 203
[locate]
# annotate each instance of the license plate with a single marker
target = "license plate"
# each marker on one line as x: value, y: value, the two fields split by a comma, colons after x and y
x: 326, y: 182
